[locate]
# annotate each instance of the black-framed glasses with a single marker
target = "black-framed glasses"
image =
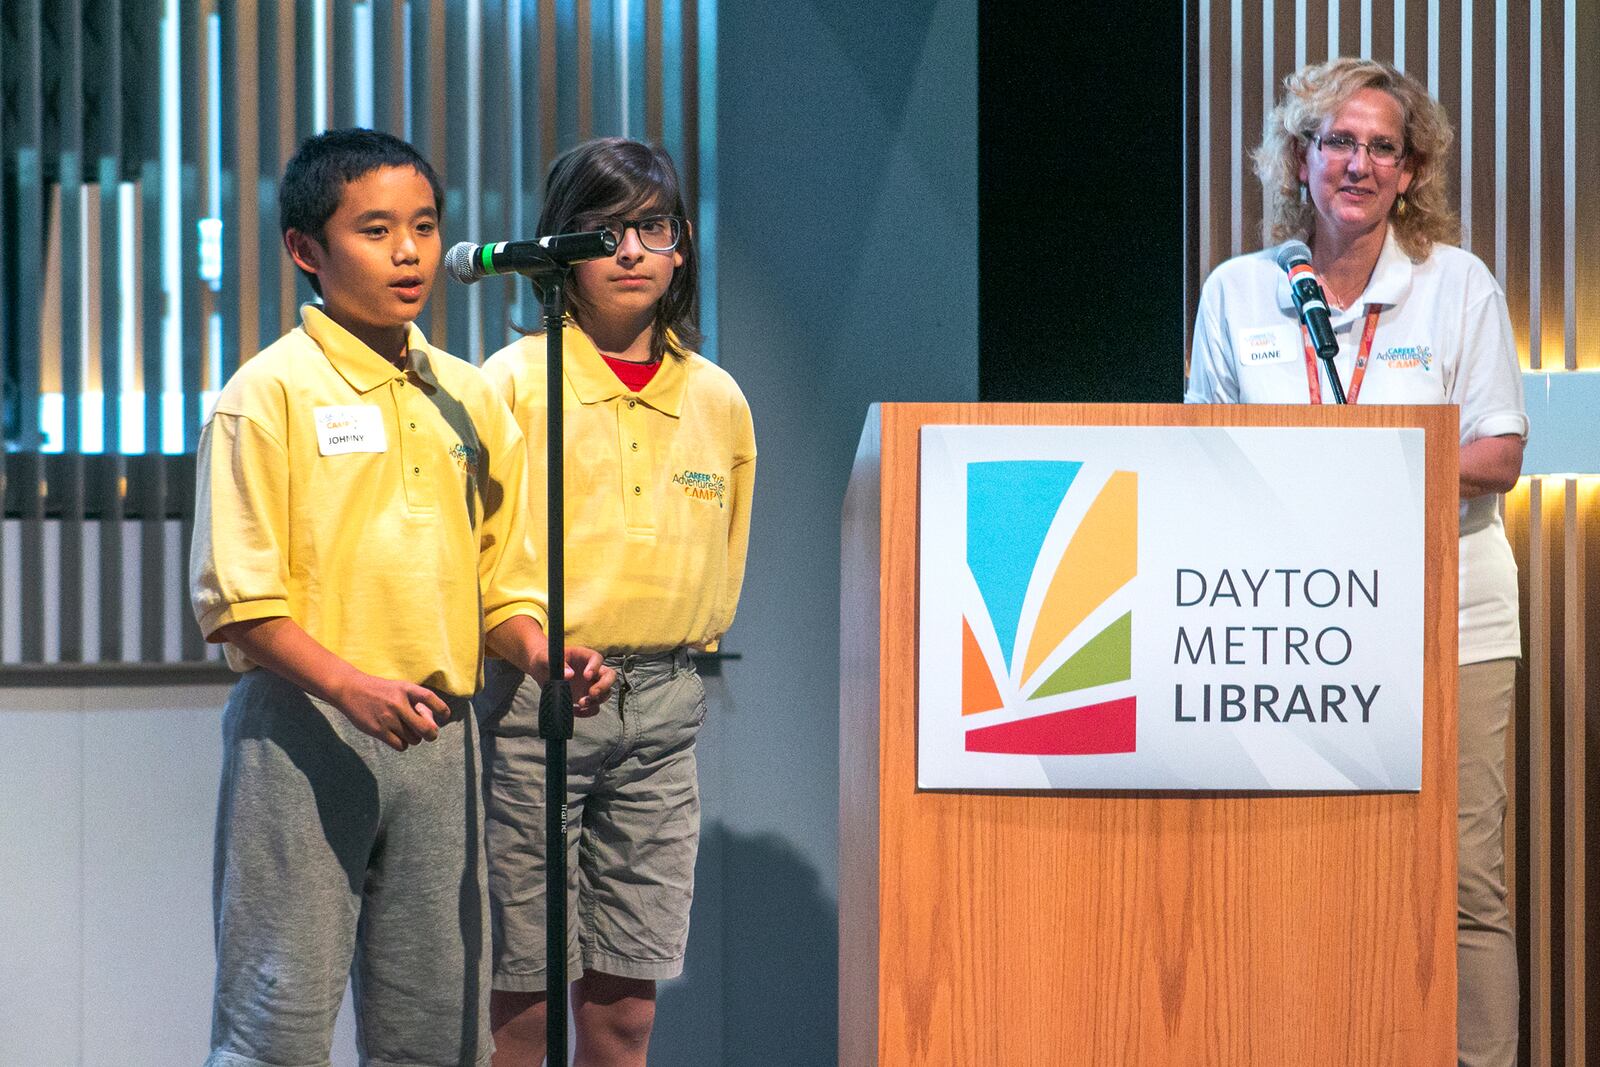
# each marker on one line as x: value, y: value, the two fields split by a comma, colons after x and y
x: 1340, y: 147
x: 657, y: 233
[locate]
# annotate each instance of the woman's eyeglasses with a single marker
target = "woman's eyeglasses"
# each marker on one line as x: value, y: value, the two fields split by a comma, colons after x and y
x: 1340, y: 147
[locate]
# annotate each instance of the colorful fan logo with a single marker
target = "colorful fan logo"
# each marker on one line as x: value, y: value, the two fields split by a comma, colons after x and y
x: 1041, y: 629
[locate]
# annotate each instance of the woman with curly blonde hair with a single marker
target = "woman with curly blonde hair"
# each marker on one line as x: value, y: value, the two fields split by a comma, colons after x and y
x: 1352, y: 164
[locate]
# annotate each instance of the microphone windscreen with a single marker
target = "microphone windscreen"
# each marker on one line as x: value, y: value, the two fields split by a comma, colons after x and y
x: 1292, y: 252
x: 458, y: 261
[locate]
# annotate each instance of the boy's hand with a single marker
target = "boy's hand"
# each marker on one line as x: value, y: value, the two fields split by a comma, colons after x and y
x: 400, y: 714
x: 521, y: 642
x: 591, y: 678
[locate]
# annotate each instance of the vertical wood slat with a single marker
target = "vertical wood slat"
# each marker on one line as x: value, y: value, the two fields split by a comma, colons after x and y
x: 585, y: 70
x: 653, y: 70
x: 108, y: 22
x: 1381, y: 22
x: 1514, y: 151
x: 1547, y: 223
x: 30, y: 201
x: 1539, y: 892
x: 388, y: 66
x: 67, y: 494
x: 1246, y: 196
x: 1574, y: 844
x: 550, y: 85
x: 341, y: 64
x: 193, y: 132
x: 456, y: 311
x: 273, y: 54
x: 9, y: 393
x: 1583, y: 186
x: 536, y: 122
x: 605, y: 99
x: 687, y: 150
x: 496, y: 187
x: 152, y: 299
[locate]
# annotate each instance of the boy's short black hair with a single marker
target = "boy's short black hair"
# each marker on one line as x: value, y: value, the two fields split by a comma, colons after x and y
x: 315, y: 178
x: 615, y: 175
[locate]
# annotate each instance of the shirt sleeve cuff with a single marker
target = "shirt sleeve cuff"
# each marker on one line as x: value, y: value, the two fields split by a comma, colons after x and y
x: 511, y: 611
x: 1498, y: 425
x: 223, y: 614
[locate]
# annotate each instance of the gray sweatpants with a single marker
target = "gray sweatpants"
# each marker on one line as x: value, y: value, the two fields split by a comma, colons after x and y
x: 336, y: 857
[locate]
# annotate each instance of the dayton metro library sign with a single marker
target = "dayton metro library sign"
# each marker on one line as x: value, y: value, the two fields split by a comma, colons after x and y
x: 1170, y: 608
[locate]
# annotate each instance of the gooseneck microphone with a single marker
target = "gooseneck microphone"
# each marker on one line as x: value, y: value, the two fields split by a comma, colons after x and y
x: 1295, y: 259
x: 468, y: 262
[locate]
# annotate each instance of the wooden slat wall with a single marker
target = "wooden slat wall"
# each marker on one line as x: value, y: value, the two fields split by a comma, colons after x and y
x: 1522, y: 83
x: 93, y: 545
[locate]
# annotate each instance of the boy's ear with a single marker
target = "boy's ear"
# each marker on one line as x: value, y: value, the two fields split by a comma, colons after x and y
x: 305, y: 250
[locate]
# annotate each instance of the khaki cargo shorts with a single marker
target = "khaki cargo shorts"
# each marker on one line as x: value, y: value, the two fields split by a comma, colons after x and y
x: 633, y: 823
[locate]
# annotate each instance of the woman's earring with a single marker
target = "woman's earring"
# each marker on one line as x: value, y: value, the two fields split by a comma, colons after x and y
x: 1400, y: 206
x: 1304, y: 192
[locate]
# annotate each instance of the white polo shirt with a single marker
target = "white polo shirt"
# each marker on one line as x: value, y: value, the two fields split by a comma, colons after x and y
x: 1443, y: 337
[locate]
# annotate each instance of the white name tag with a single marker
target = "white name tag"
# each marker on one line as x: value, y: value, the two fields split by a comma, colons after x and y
x: 356, y: 428
x: 1268, y: 344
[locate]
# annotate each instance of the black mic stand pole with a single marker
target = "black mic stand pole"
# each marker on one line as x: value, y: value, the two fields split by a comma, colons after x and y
x: 555, y: 701
x: 1333, y: 374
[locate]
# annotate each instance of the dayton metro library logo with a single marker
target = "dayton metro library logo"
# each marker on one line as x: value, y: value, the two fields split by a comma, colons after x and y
x: 1035, y: 600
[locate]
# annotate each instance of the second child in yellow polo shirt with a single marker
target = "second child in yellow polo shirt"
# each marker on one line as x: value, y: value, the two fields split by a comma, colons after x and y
x: 659, y: 457
x: 657, y: 514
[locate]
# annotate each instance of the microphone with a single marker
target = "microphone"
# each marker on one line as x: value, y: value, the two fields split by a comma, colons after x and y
x: 1295, y: 259
x: 468, y: 262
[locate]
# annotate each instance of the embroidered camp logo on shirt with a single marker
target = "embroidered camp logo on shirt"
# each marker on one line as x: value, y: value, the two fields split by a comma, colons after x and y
x: 698, y: 485
x: 1405, y: 357
x: 466, y: 457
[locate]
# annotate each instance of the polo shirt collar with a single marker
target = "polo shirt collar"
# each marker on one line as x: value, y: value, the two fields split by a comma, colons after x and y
x: 1388, y: 286
x: 358, y: 364
x: 594, y: 382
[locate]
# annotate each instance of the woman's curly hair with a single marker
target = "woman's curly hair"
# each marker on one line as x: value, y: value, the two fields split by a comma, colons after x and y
x: 1421, y: 217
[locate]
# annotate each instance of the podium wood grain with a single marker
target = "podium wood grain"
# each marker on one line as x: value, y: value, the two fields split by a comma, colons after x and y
x: 1130, y: 928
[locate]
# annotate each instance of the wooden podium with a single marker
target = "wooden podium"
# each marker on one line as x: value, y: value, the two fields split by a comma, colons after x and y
x: 1105, y: 928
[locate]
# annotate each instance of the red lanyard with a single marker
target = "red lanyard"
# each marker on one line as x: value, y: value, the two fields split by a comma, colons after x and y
x: 1363, y: 354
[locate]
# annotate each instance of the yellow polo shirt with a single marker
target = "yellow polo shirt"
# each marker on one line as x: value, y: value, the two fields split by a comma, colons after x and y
x: 381, y: 510
x: 658, y: 484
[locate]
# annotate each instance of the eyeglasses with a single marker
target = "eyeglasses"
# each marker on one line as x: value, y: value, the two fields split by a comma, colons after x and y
x: 657, y: 233
x: 1340, y: 147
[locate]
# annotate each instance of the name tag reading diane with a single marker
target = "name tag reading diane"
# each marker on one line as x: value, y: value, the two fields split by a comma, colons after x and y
x: 1268, y: 344
x: 353, y: 428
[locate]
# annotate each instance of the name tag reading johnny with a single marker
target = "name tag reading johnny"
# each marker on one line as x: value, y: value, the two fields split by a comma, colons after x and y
x: 353, y: 428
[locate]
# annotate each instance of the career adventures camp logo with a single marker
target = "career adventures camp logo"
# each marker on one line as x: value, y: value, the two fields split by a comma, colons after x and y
x: 1038, y: 591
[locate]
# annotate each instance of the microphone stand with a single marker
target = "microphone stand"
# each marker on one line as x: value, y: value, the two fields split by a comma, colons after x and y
x: 1333, y: 376
x: 555, y: 700
x: 545, y: 263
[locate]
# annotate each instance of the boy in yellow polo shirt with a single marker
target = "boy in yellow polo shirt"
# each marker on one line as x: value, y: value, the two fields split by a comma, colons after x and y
x: 660, y: 467
x: 360, y: 537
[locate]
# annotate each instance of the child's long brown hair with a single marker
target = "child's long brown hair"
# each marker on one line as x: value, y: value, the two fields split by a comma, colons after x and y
x: 618, y: 176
